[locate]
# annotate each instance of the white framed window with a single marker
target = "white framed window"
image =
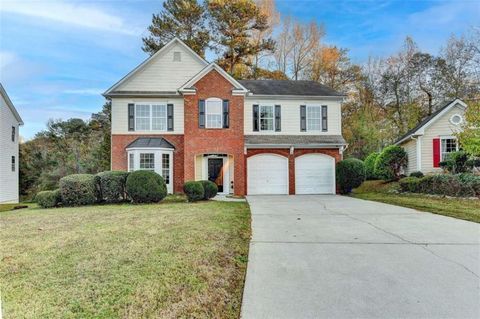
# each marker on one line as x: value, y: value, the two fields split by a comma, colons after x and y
x: 447, y: 146
x: 166, y: 167
x: 267, y: 118
x: 456, y: 119
x: 147, y: 161
x: 150, y: 117
x: 213, y: 113
x: 131, y: 162
x: 314, y: 118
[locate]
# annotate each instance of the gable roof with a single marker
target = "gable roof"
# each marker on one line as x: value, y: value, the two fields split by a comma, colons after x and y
x: 289, y: 87
x: 188, y: 87
x: 145, y: 62
x: 150, y: 142
x: 442, y: 108
x: 10, y: 104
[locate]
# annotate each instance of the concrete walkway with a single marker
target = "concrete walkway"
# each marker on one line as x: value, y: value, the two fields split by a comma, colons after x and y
x: 339, y: 257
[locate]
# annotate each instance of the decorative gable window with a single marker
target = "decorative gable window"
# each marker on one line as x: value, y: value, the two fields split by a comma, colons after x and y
x: 213, y: 112
x: 152, y: 117
x: 448, y: 145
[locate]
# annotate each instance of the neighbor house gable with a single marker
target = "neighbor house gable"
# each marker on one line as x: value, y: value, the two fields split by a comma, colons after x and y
x: 6, y: 102
x: 162, y: 73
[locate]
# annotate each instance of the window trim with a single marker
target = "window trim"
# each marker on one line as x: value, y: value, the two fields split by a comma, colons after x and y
x: 444, y: 138
x: 150, y: 109
x: 260, y: 118
x: 214, y: 99
x: 307, y: 118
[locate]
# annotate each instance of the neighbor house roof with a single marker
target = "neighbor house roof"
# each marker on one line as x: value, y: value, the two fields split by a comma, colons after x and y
x: 441, y: 108
x: 288, y: 87
x: 294, y: 140
x: 150, y: 142
x: 10, y: 104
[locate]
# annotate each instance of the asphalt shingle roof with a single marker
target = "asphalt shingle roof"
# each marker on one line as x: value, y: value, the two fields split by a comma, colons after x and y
x: 293, y: 140
x: 150, y: 142
x: 288, y: 87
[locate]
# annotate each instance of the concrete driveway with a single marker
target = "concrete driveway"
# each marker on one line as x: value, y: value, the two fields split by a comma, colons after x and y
x: 340, y: 257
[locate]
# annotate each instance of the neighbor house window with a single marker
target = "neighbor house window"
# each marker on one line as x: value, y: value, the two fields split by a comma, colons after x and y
x: 448, y: 146
x: 131, y: 162
x: 13, y: 163
x: 314, y: 118
x: 213, y: 110
x: 166, y: 168
x: 267, y: 118
x: 13, y: 134
x: 151, y: 117
x: 147, y: 161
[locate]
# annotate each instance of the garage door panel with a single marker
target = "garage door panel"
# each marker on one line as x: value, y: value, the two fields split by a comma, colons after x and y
x: 267, y: 174
x: 315, y: 174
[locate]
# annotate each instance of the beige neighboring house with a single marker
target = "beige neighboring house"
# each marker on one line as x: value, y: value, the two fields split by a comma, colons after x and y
x: 429, y: 143
x: 10, y: 121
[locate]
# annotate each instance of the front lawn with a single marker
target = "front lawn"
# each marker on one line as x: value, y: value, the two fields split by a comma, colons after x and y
x: 379, y: 191
x: 168, y: 260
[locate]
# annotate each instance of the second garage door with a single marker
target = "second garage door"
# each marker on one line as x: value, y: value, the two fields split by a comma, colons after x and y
x: 267, y: 174
x: 315, y: 174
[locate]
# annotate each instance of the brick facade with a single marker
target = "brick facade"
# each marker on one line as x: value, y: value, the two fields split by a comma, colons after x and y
x: 291, y: 160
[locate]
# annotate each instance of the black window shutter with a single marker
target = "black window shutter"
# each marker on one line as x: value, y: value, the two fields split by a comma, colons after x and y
x: 201, y: 113
x: 255, y: 117
x: 226, y: 112
x: 303, y: 118
x: 278, y: 118
x: 131, y: 117
x: 324, y: 118
x: 170, y: 117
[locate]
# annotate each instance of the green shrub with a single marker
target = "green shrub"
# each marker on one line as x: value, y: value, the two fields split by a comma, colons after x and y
x: 416, y: 174
x: 472, y: 163
x: 455, y: 163
x: 210, y: 189
x: 194, y: 191
x: 113, y: 186
x: 48, y: 199
x: 410, y: 184
x: 390, y: 163
x: 370, y: 165
x: 146, y: 187
x: 80, y: 189
x: 473, y: 181
x: 350, y: 174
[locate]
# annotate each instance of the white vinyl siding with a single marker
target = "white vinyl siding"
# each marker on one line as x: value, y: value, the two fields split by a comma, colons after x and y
x: 120, y: 115
x: 162, y: 74
x: 411, y: 148
x: 290, y: 119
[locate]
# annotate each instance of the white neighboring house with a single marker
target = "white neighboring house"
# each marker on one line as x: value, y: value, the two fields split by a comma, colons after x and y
x: 10, y: 121
x: 429, y: 143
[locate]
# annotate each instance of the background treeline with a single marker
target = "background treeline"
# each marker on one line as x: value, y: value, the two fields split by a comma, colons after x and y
x: 251, y: 40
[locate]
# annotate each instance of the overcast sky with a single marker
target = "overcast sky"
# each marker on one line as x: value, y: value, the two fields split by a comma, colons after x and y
x: 58, y: 56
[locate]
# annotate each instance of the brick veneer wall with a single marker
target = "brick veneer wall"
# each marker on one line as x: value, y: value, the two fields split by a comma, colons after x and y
x: 119, y: 155
x: 291, y: 160
x: 205, y: 141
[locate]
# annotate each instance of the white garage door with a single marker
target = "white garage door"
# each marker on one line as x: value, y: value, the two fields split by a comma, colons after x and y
x: 267, y: 174
x: 315, y: 174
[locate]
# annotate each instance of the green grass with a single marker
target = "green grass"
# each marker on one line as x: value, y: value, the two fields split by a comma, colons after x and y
x: 467, y: 209
x: 168, y: 260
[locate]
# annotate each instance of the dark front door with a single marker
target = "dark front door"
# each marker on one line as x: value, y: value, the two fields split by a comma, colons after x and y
x: 215, y: 172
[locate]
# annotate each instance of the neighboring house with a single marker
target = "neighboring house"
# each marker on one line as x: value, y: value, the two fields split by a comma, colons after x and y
x: 433, y: 139
x: 9, y: 123
x: 187, y: 119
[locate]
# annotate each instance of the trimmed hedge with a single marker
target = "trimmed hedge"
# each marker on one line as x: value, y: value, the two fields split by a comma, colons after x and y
x: 416, y: 174
x: 390, y: 163
x: 146, y: 187
x: 350, y: 174
x: 210, y: 189
x: 48, y: 199
x: 80, y: 189
x: 113, y: 185
x: 194, y: 191
x: 442, y: 184
x: 370, y: 165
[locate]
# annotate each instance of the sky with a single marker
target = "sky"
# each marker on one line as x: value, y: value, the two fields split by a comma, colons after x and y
x: 58, y: 56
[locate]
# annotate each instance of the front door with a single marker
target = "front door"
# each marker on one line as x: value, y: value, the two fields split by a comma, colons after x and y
x: 215, y: 172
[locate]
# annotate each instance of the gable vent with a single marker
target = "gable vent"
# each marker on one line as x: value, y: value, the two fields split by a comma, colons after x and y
x: 177, y: 56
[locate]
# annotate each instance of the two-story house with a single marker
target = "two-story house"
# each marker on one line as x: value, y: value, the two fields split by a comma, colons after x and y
x: 10, y: 121
x: 187, y: 119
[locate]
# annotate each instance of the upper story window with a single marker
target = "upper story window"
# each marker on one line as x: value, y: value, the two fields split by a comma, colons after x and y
x: 213, y: 112
x: 150, y: 117
x: 448, y: 145
x: 314, y: 118
x: 13, y: 133
x: 267, y: 118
